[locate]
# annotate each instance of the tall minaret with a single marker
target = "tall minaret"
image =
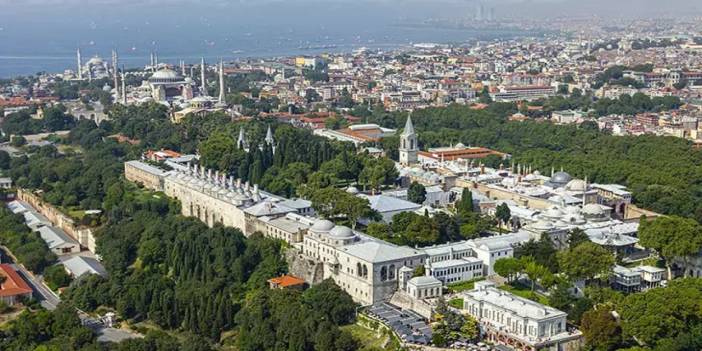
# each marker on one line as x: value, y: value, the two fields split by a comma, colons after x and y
x: 182, y: 68
x: 269, y: 136
x: 115, y: 70
x: 221, y: 82
x: 408, y: 144
x: 203, y: 88
x: 80, y: 65
x: 124, y: 88
x: 152, y: 62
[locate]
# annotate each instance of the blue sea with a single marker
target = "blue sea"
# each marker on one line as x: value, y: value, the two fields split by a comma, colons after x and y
x: 44, y: 38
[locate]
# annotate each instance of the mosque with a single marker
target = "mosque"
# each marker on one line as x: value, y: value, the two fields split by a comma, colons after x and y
x: 166, y: 85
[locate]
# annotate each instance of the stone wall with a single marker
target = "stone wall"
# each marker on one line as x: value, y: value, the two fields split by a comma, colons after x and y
x: 298, y: 266
x: 59, y: 219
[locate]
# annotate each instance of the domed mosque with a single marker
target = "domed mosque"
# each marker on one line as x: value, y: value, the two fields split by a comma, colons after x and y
x: 167, y: 85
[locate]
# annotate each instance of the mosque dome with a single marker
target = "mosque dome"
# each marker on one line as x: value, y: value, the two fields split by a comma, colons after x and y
x: 536, y: 173
x: 561, y: 178
x: 95, y: 61
x: 322, y: 225
x: 165, y: 75
x: 593, y: 210
x: 553, y: 213
x: 352, y: 190
x: 542, y: 225
x: 341, y: 232
x: 576, y: 185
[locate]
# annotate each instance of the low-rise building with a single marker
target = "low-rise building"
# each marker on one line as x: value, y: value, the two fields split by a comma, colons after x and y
x: 58, y: 241
x: 78, y: 266
x: 456, y: 271
x: 13, y: 288
x: 637, y: 279
x: 424, y: 287
x: 518, y: 322
x: 5, y: 183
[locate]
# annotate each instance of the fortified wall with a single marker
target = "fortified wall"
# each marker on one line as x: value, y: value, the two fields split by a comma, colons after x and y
x: 59, y: 219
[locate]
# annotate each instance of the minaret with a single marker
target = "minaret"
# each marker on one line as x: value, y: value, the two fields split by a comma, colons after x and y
x: 115, y: 70
x: 203, y: 88
x: 408, y: 144
x: 221, y: 84
x: 152, y: 61
x: 124, y: 88
x: 80, y: 65
x: 155, y: 60
x: 182, y: 68
x: 269, y: 136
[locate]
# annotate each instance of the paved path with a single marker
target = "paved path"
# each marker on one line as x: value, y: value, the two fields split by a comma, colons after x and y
x: 49, y: 300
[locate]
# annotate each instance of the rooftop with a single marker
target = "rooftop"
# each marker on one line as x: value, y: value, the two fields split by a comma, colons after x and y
x: 520, y: 306
x: 13, y: 284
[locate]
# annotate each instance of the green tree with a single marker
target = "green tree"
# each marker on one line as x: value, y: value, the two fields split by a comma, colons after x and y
x: 465, y: 205
x: 586, y: 261
x: 56, y: 277
x: 601, y: 330
x: 663, y: 313
x: 509, y: 267
x: 416, y: 193
x: 535, y: 272
x: 672, y: 237
x: 503, y: 215
x: 576, y: 237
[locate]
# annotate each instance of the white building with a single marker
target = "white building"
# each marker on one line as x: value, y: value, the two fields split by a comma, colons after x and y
x: 364, y: 267
x: 518, y: 322
x: 636, y: 279
x: 388, y: 206
x: 58, y: 241
x: 456, y: 271
x: 424, y: 287
x: 5, y: 183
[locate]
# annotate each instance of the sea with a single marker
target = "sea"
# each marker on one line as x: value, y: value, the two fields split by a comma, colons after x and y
x: 45, y: 38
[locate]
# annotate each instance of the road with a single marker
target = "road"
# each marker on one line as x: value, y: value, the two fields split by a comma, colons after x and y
x: 49, y: 300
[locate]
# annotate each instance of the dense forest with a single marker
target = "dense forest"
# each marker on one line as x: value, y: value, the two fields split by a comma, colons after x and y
x: 164, y: 269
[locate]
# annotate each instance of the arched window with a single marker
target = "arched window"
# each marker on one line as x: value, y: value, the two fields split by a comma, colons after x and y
x: 391, y: 274
x: 383, y: 274
x: 365, y: 271
x: 359, y: 269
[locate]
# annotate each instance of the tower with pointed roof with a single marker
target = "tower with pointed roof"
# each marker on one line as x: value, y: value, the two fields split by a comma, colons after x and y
x: 408, y: 144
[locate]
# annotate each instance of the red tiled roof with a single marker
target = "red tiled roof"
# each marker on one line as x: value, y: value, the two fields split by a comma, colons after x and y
x: 286, y: 281
x: 14, y: 284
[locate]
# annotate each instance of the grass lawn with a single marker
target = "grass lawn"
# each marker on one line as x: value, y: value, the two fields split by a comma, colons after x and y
x: 456, y: 303
x: 366, y: 337
x: 525, y: 292
x: 463, y: 286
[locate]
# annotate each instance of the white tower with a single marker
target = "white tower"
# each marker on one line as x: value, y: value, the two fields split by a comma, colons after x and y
x: 203, y: 87
x: 115, y: 71
x: 408, y: 144
x: 80, y: 65
x: 269, y: 136
x: 221, y: 83
x: 124, y: 88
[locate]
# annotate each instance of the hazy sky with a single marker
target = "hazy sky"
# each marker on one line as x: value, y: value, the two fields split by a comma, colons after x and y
x: 402, y: 7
